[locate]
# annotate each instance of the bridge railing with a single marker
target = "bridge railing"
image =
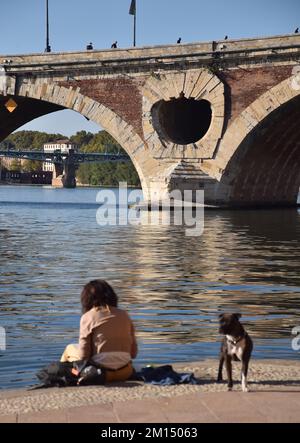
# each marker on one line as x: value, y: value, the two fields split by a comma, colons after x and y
x: 61, y: 158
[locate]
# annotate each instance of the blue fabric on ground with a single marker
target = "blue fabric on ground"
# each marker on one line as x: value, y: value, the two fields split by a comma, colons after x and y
x: 165, y: 375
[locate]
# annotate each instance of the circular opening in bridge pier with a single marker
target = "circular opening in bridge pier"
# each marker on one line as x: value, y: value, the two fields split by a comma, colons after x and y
x: 181, y: 120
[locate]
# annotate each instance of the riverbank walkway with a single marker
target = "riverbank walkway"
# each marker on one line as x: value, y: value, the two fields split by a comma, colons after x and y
x: 274, y: 397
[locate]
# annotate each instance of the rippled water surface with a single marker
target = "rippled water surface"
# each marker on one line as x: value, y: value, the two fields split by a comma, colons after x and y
x: 174, y: 286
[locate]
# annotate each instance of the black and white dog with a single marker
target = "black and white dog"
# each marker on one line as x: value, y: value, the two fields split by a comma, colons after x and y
x: 237, y: 346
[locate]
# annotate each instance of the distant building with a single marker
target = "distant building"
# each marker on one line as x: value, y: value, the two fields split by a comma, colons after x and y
x: 64, y: 146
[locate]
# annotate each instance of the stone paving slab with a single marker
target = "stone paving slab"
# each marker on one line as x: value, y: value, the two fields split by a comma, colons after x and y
x: 90, y: 414
x: 140, y: 411
x: 12, y: 418
x: 233, y: 408
x: 277, y: 406
x: 188, y: 409
x: 218, y: 407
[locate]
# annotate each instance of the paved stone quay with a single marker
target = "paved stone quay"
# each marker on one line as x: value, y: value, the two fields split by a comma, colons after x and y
x: 208, y: 407
x: 274, y: 397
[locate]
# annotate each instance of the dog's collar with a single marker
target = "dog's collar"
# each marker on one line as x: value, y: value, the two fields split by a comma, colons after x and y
x: 235, y: 342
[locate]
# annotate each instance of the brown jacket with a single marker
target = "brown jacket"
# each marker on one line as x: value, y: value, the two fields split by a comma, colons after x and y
x: 106, y: 330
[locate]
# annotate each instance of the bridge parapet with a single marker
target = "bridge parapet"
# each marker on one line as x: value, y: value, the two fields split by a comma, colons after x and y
x: 247, y: 50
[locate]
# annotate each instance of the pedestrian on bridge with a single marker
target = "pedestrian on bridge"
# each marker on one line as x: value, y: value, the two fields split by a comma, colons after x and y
x: 114, y: 45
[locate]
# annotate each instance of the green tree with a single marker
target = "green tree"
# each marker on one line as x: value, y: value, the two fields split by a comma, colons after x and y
x: 82, y: 138
x: 32, y: 166
x: 102, y: 142
x: 15, y: 165
x: 108, y: 173
x: 29, y: 140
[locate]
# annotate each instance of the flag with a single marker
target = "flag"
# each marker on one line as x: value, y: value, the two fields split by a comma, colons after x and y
x: 132, y: 10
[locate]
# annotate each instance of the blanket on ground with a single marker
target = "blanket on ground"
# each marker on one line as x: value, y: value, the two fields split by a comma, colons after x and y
x: 82, y: 372
x: 165, y: 375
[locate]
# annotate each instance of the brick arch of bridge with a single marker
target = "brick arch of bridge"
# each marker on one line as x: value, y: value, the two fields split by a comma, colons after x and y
x: 35, y: 99
x: 258, y: 162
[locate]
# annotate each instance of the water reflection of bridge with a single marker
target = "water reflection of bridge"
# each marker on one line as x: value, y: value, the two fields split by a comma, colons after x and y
x: 65, y: 163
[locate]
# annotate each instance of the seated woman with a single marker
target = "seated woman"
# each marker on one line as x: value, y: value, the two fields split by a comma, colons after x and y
x: 106, y: 336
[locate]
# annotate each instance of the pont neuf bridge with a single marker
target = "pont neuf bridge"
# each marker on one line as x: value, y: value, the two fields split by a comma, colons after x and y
x: 223, y: 116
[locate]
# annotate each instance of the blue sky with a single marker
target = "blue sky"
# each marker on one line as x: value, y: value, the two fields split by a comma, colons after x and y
x: 74, y: 23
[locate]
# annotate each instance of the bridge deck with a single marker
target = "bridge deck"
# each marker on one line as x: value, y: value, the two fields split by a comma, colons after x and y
x: 60, y: 158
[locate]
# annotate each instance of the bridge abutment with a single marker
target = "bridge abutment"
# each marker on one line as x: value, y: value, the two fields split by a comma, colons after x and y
x: 57, y: 175
x: 64, y: 175
x: 69, y: 176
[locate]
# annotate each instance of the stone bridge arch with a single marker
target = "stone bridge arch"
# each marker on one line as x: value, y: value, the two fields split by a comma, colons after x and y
x: 258, y: 160
x: 38, y: 98
x: 162, y: 164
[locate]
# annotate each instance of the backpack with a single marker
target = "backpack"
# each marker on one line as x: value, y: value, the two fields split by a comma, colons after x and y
x: 57, y: 374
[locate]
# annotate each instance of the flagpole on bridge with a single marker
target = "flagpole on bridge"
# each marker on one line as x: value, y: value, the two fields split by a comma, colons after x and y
x: 132, y: 11
x: 48, y: 47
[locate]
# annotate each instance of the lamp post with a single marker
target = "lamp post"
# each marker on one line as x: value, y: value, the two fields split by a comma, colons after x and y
x: 132, y: 11
x: 48, y: 47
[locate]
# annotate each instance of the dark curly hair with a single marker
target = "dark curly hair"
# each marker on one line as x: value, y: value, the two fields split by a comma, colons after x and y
x: 98, y: 293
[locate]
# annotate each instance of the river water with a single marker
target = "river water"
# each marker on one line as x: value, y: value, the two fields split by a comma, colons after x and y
x: 173, y: 286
